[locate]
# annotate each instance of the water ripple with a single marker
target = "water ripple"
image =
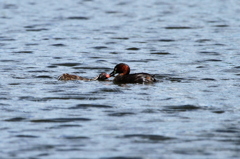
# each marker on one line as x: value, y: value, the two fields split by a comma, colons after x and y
x: 181, y: 108
x: 59, y: 120
x: 15, y: 119
x: 147, y: 138
x: 78, y: 18
x: 85, y: 106
x: 121, y: 114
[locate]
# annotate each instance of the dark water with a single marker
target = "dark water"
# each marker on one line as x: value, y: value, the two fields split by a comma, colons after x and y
x: 193, y: 110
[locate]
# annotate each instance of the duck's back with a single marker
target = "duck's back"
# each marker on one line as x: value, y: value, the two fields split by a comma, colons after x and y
x: 135, y: 78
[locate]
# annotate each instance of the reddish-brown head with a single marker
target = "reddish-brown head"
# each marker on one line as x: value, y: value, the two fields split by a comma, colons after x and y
x: 122, y: 69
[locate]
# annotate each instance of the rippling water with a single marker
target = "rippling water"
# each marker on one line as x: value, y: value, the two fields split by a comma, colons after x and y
x: 192, y: 47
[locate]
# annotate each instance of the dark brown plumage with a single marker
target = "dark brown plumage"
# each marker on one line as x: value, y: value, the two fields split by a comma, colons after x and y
x: 123, y: 76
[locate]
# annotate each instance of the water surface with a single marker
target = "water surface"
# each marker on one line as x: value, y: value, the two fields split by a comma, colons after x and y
x: 191, y: 47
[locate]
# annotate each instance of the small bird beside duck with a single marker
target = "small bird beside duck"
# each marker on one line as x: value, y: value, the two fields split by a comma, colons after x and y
x: 67, y: 77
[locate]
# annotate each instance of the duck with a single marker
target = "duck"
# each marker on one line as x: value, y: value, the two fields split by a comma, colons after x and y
x: 124, y: 76
x: 66, y: 77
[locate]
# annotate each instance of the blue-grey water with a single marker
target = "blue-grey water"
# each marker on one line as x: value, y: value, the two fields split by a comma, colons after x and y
x: 192, y: 47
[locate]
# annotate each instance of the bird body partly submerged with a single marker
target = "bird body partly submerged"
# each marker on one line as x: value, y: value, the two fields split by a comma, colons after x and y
x: 67, y: 77
x: 123, y: 76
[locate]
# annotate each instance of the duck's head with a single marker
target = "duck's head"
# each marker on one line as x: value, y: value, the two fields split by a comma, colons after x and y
x: 121, y: 68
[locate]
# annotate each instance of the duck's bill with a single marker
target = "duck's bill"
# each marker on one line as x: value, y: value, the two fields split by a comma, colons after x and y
x: 112, y: 74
